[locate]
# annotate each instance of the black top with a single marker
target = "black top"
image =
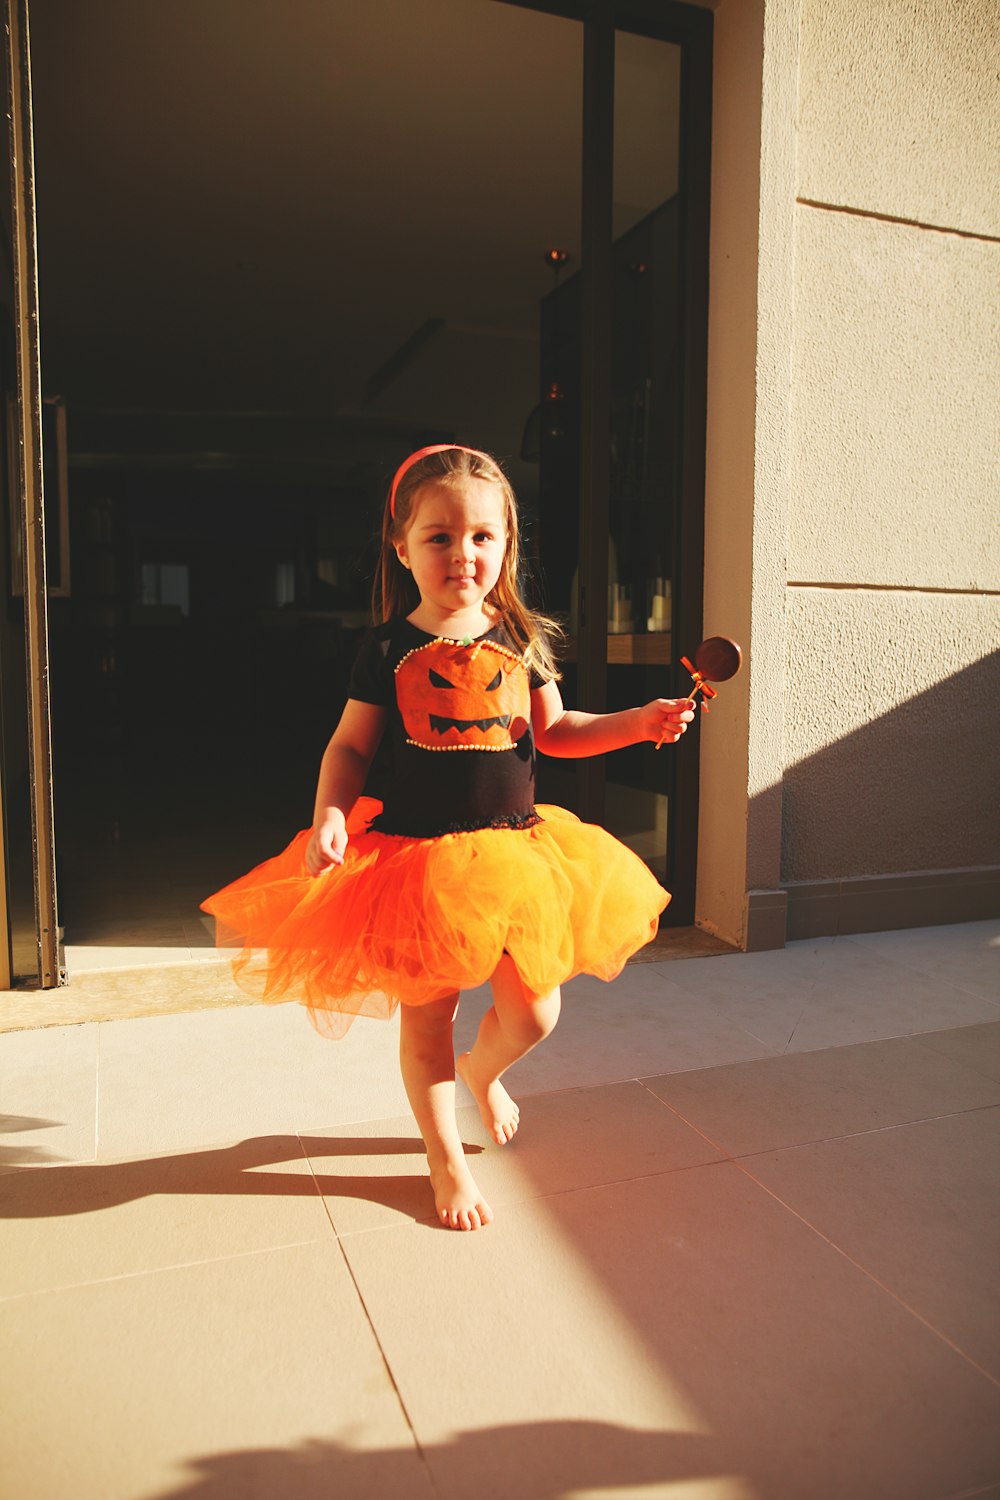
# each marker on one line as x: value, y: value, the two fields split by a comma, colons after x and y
x: 459, y: 729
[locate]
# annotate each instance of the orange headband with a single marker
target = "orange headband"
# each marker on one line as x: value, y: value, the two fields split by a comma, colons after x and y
x: 423, y: 453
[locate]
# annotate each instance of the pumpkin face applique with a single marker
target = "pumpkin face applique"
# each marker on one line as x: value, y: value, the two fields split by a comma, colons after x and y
x: 463, y: 697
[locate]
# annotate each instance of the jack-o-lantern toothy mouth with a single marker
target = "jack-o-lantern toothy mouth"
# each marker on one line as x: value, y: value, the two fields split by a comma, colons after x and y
x: 441, y: 725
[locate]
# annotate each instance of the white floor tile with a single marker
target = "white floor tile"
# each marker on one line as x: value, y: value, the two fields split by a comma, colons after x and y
x: 95, y: 1221
x: 917, y: 1207
x: 967, y: 954
x: 812, y: 1096
x: 48, y: 1095
x: 976, y: 1047
x: 679, y: 1334
x: 171, y: 1082
x: 256, y: 1375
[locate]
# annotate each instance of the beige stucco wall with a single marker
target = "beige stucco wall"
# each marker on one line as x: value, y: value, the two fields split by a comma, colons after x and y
x: 899, y: 109
x: 856, y: 266
x: 895, y: 443
x: 892, y: 711
x: 896, y: 405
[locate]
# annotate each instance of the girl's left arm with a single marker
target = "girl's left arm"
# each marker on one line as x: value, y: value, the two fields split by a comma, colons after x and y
x: 569, y: 732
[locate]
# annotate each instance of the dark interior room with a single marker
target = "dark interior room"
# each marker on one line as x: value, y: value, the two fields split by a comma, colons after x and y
x: 278, y: 250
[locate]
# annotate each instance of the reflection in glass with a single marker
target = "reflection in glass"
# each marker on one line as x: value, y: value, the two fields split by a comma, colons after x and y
x: 645, y: 421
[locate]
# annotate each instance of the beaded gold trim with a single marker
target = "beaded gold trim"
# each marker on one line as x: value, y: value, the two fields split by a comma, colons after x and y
x: 435, y: 749
x: 477, y: 645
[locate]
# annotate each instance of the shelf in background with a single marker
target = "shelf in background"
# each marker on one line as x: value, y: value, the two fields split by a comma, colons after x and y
x: 647, y: 650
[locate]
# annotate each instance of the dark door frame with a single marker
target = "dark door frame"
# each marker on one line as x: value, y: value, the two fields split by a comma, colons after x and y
x: 27, y: 499
x: 690, y: 28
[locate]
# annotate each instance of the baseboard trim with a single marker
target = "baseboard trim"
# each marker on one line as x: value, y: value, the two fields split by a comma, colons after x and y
x: 880, y: 903
x: 870, y: 903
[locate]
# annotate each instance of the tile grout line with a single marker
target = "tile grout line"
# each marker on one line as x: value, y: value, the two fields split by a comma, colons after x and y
x: 976, y: 1493
x: 738, y: 1164
x: 900, y: 1301
x: 388, y: 1369
x: 933, y: 975
x: 857, y: 1135
x: 370, y: 1320
x: 180, y: 1265
x: 539, y: 1197
x: 915, y: 1038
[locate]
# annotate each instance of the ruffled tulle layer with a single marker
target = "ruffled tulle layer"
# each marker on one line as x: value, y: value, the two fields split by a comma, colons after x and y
x: 408, y: 920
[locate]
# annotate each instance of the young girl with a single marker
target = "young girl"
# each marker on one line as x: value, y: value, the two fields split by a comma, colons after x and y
x: 456, y: 878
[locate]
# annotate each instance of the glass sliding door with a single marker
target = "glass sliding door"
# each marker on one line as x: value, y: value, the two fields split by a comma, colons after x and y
x: 645, y: 396
x: 623, y: 390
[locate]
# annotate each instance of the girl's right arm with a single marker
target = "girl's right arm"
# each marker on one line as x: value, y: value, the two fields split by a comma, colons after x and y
x: 342, y: 776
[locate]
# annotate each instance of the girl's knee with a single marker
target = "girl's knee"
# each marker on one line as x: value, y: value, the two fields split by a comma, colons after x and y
x: 531, y: 1020
x: 430, y: 1019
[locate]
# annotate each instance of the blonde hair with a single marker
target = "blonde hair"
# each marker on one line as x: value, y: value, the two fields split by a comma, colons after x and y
x: 394, y: 593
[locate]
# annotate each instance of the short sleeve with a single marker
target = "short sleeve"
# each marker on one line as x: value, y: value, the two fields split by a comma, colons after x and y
x: 370, y: 677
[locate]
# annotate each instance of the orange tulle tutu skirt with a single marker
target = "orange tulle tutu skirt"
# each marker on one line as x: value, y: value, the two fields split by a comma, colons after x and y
x: 406, y: 920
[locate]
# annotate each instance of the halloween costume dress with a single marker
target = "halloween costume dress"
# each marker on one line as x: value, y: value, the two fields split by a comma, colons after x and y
x: 455, y: 867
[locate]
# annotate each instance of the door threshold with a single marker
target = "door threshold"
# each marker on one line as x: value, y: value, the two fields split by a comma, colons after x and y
x: 130, y: 991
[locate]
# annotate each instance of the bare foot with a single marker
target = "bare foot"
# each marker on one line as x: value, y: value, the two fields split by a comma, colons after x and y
x: 459, y: 1203
x: 500, y: 1113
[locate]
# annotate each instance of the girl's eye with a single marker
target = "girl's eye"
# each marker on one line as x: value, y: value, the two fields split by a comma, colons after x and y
x: 438, y: 681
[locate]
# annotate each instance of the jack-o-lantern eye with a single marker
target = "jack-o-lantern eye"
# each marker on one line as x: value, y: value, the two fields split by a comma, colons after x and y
x: 438, y: 681
x: 491, y: 687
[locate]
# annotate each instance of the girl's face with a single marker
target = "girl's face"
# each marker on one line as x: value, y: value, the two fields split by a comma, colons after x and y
x: 454, y: 543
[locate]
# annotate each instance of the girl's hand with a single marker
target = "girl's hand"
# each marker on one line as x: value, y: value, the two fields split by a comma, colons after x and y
x: 327, y: 844
x: 666, y: 719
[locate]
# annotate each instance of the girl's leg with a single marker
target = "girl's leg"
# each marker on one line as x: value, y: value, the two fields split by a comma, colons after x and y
x: 515, y: 1022
x: 427, y: 1062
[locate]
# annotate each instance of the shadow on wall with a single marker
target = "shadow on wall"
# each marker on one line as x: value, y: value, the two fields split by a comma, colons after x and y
x: 916, y: 789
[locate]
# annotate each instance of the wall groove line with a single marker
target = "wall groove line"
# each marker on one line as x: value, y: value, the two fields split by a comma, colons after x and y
x: 889, y: 588
x: 866, y: 213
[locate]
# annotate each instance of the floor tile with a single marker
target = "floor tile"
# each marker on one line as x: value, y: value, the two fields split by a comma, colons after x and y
x: 967, y: 954
x: 810, y: 1096
x: 829, y: 992
x: 172, y: 1082
x: 63, y: 1226
x: 639, y: 1023
x: 48, y: 1095
x: 917, y: 1206
x: 786, y: 972
x: 682, y: 1332
x: 96, y: 958
x: 255, y: 1376
x: 570, y: 1139
x: 976, y: 1047
x: 861, y: 996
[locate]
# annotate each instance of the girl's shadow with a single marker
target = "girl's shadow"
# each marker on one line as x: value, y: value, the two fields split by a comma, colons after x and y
x: 88, y: 1187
